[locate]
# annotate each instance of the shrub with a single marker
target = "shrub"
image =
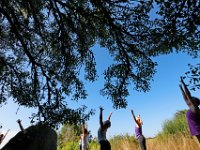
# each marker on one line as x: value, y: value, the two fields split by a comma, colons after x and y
x: 178, y: 124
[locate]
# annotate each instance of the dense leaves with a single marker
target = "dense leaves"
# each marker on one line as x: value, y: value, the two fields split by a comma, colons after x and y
x: 194, y: 76
x: 46, y: 43
x: 178, y: 124
x: 69, y: 133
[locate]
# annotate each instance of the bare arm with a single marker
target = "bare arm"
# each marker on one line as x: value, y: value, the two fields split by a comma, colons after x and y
x: 109, y: 116
x: 183, y: 93
x: 187, y: 96
x: 134, y: 118
x: 187, y: 92
x: 101, y: 117
x: 83, y: 129
x: 20, y: 124
x: 3, y: 137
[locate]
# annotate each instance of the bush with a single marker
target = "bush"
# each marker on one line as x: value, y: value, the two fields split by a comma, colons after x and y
x: 124, y: 142
x: 93, y: 145
x: 70, y: 146
x: 178, y: 124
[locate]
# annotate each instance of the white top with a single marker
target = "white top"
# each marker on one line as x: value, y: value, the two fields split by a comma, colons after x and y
x: 84, y: 142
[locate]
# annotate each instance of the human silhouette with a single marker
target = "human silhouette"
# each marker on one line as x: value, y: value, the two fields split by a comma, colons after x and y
x: 84, y: 138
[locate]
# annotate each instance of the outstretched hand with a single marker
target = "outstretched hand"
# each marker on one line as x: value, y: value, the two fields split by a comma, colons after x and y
x: 19, y: 121
x: 182, y: 81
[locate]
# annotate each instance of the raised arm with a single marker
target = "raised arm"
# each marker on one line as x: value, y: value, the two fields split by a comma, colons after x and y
x: 101, y: 117
x: 187, y: 92
x: 20, y: 124
x: 187, y: 96
x: 134, y: 118
x: 109, y: 116
x: 183, y: 93
x: 83, y: 128
x: 3, y: 136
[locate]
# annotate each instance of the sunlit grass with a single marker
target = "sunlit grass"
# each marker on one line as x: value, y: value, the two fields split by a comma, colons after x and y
x: 180, y: 141
x: 174, y: 136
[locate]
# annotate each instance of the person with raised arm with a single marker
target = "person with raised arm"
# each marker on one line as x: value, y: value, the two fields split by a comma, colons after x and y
x: 2, y: 136
x: 138, y: 131
x: 193, y: 114
x: 20, y: 124
x: 84, y: 138
x: 104, y: 143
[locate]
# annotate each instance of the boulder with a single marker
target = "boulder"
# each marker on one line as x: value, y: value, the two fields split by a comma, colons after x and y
x: 38, y: 137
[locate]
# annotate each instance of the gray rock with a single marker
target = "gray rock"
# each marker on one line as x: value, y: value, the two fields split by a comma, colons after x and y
x: 38, y: 137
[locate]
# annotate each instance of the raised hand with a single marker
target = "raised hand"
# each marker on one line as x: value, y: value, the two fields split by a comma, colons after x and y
x: 132, y: 112
x: 109, y: 116
x: 101, y: 108
x: 19, y: 121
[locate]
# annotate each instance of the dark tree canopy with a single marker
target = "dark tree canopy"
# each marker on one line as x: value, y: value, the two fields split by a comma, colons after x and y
x: 45, y: 43
x: 194, y: 77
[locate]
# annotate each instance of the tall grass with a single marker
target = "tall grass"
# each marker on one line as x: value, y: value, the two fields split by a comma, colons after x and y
x: 124, y: 142
x: 174, y: 136
x: 179, y: 141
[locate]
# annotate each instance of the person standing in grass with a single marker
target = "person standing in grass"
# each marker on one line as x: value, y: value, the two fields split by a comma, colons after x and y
x: 138, y: 131
x: 84, y: 138
x: 104, y: 143
x: 193, y: 114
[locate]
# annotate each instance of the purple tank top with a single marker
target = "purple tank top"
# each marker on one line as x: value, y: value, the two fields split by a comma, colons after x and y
x: 193, y: 122
x: 138, y: 132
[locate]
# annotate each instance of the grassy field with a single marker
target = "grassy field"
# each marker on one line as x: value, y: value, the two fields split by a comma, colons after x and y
x: 174, y: 136
x: 170, y: 142
x: 173, y: 142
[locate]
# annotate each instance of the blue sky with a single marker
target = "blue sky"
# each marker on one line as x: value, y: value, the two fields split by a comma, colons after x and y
x: 159, y: 104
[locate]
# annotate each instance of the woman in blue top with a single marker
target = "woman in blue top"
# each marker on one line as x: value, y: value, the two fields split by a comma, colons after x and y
x: 193, y: 114
x: 138, y: 131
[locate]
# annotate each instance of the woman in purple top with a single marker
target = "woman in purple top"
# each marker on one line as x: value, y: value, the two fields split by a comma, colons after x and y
x: 193, y: 114
x: 138, y: 131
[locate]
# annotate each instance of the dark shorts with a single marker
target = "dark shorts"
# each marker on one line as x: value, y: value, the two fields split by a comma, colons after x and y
x: 105, y: 145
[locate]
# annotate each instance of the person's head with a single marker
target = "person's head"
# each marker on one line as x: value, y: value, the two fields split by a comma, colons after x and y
x: 107, y: 124
x: 196, y: 101
x: 139, y: 120
x: 85, y: 131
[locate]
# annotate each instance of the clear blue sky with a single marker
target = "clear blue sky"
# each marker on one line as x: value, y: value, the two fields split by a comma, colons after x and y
x: 162, y: 101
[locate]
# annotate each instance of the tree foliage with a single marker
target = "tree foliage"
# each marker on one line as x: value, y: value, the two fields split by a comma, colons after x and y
x: 194, y: 76
x: 178, y: 124
x: 69, y: 133
x: 45, y: 43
